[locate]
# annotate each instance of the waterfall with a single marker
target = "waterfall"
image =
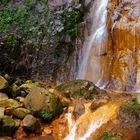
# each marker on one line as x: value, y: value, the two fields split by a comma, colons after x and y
x: 95, y: 45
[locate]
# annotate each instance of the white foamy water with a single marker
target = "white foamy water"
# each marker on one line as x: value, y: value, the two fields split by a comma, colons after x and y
x: 89, y: 122
x: 94, y: 46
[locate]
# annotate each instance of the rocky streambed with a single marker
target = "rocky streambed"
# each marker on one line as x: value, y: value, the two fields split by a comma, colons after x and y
x: 30, y: 110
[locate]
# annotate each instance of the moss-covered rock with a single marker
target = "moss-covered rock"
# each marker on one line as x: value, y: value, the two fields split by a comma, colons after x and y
x: 132, y: 106
x: 78, y: 89
x: 35, y: 100
x: 10, y: 103
x: 44, y: 104
x: 52, y: 107
x: 7, y: 126
x: 20, y: 88
x: 129, y: 114
x: 17, y: 112
x: 110, y: 136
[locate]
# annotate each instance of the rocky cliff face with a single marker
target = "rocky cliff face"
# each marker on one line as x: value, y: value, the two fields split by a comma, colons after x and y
x: 126, y: 39
x: 40, y: 39
x: 123, y: 46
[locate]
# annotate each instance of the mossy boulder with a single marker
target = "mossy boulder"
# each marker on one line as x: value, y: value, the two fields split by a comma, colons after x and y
x: 7, y: 126
x: 78, y: 89
x: 110, y: 136
x: 20, y: 88
x: 17, y: 112
x: 44, y: 104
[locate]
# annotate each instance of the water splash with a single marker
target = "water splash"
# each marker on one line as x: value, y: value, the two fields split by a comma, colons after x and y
x: 90, y: 68
x: 89, y: 122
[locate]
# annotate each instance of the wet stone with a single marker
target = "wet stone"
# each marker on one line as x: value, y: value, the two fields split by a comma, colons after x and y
x: 3, y: 96
x: 79, y: 109
x: 98, y: 103
x: 31, y: 124
x: 18, y: 112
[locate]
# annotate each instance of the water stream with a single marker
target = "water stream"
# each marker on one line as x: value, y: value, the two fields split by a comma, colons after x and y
x: 85, y: 127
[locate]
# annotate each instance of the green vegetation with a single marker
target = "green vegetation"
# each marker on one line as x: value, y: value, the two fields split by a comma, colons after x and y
x: 45, y: 115
x: 29, y: 31
x: 29, y: 21
x: 110, y: 136
x: 71, y: 20
x: 133, y: 106
x: 32, y: 20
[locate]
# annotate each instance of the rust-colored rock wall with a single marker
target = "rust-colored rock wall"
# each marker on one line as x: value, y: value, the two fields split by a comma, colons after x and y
x: 124, y: 36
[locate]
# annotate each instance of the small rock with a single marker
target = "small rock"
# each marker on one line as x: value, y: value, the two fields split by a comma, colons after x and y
x: 98, y: 103
x: 20, y: 133
x: 31, y: 124
x: 3, y: 96
x: 79, y: 109
x: 20, y: 99
x: 47, y: 131
x: 3, y: 83
x: 17, y: 112
x: 7, y: 126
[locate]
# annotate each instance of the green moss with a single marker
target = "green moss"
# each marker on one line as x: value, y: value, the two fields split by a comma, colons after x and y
x: 4, y: 2
x: 7, y: 126
x: 71, y: 20
x: 26, y: 20
x: 45, y: 115
x: 133, y: 106
x: 110, y: 136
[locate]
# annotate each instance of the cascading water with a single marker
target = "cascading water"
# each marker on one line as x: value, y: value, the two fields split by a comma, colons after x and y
x: 95, y: 50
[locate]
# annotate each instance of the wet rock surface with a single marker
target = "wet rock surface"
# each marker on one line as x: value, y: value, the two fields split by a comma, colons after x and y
x: 124, y: 24
x: 98, y: 103
x: 129, y: 114
x: 31, y: 124
x: 79, y: 89
x: 40, y: 113
x: 79, y: 109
